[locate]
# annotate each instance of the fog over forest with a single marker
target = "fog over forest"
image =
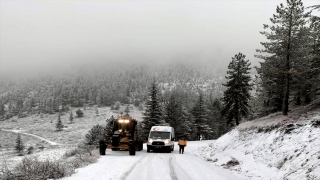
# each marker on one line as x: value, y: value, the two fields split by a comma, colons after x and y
x: 80, y: 79
x: 47, y: 36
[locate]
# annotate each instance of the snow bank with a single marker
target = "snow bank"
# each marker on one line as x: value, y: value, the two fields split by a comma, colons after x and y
x: 273, y: 154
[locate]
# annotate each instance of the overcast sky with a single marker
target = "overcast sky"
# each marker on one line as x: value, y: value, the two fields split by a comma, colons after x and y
x: 44, y: 33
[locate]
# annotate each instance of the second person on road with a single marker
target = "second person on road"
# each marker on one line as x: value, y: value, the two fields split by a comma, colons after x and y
x: 182, y: 143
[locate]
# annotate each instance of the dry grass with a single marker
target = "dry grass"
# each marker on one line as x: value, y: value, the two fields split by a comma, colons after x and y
x: 69, y: 139
x: 32, y: 167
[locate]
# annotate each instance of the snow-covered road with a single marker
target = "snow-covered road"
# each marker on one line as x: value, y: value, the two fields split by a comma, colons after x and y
x: 154, y: 166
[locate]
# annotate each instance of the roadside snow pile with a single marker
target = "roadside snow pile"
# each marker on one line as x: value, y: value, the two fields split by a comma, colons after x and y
x: 290, y: 151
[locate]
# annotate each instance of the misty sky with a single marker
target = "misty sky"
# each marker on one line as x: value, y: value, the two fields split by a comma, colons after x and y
x: 36, y: 34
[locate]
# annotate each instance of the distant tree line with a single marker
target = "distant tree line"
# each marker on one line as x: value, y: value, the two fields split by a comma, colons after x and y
x: 49, y: 95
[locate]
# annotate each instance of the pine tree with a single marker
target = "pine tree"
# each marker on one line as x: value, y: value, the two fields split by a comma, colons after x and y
x: 215, y: 119
x: 153, y: 113
x: 59, y: 125
x: 237, y: 94
x: 127, y: 110
x: 94, y: 135
x: 187, y: 126
x: 71, y: 117
x: 2, y: 110
x: 55, y: 104
x: 49, y: 108
x: 80, y: 97
x: 181, y: 120
x: 286, y: 46
x: 72, y: 98
x: 200, y: 115
x: 91, y: 98
x: 315, y: 54
x: 173, y: 112
x: 98, y: 98
x: 97, y: 111
x: 177, y: 116
x: 19, y: 145
x: 64, y: 98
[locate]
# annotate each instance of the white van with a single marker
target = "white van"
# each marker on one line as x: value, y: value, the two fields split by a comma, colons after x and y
x: 161, y: 137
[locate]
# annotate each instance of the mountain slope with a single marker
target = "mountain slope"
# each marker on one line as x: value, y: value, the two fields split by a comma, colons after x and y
x: 273, y: 147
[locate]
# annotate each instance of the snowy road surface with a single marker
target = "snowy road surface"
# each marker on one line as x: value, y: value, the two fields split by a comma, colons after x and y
x: 153, y: 166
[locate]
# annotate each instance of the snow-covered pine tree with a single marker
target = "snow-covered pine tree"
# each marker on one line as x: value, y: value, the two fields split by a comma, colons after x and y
x: 48, y: 105
x: 172, y: 112
x: 215, y: 119
x: 80, y: 97
x: 71, y: 117
x: 200, y: 115
x: 91, y: 100
x: 104, y: 93
x: 99, y: 99
x: 127, y: 110
x: 2, y: 110
x: 55, y: 104
x: 97, y: 111
x: 315, y: 53
x: 19, y: 145
x: 59, y: 125
x: 109, y: 126
x: 72, y: 98
x: 64, y: 97
x: 186, y: 124
x: 95, y: 134
x: 153, y: 114
x: 237, y: 95
x: 285, y: 46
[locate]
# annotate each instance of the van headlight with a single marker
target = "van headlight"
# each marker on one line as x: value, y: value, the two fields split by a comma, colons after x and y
x: 167, y: 141
x: 150, y: 141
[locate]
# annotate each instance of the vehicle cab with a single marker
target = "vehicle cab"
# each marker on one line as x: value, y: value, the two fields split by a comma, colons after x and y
x: 161, y: 138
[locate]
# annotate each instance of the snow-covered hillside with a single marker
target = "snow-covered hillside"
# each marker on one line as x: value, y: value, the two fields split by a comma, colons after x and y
x: 273, y: 147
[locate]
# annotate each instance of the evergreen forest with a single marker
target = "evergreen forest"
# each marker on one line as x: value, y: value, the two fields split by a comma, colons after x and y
x: 199, y: 101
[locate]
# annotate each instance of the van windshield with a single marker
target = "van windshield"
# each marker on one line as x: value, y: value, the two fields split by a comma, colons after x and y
x: 159, y: 135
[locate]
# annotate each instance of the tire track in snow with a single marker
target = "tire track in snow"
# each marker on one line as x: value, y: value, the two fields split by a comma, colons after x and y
x: 125, y: 175
x: 172, y: 173
x: 178, y: 171
x: 142, y: 169
x: 149, y: 168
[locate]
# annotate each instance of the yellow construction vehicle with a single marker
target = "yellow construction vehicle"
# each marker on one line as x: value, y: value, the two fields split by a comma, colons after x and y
x: 123, y: 135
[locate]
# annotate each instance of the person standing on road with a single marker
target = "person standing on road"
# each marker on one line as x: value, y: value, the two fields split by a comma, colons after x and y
x: 182, y: 143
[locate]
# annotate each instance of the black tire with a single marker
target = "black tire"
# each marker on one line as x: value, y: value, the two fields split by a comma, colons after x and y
x: 138, y: 146
x: 132, y: 150
x: 114, y: 149
x: 102, y: 147
x: 141, y: 146
x: 148, y: 149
